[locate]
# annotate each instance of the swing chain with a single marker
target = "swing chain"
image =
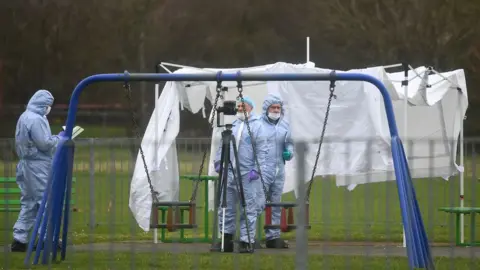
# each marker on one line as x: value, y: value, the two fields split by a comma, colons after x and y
x: 240, y: 95
x: 128, y: 94
x: 200, y: 171
x: 332, y: 90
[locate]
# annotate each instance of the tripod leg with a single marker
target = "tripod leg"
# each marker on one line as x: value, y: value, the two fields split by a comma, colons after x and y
x: 226, y: 243
x: 240, y: 187
x: 225, y: 161
x: 218, y: 189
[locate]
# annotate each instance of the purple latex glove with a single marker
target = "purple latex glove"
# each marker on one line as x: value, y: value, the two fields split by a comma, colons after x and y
x: 61, y: 134
x: 253, y: 175
x: 217, y: 166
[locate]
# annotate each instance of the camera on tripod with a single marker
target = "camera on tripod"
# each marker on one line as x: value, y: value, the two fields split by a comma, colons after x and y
x: 226, y: 108
x: 229, y: 107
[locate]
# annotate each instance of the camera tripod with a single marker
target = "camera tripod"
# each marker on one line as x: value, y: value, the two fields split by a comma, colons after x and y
x: 228, y: 141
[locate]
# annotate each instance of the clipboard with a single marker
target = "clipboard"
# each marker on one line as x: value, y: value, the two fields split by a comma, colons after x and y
x: 76, y: 131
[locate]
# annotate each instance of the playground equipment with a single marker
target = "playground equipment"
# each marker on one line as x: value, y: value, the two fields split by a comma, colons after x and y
x: 49, y: 218
x: 167, y: 217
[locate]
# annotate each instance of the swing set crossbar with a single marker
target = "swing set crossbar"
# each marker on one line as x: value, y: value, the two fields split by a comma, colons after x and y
x: 223, y: 76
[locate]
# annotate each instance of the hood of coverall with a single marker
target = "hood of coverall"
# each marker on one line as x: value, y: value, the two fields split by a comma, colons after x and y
x: 39, y: 102
x: 246, y: 100
x: 269, y: 101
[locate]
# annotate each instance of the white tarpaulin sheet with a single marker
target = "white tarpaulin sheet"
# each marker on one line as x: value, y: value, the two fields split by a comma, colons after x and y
x: 359, y: 151
x: 158, y: 145
x: 357, y: 144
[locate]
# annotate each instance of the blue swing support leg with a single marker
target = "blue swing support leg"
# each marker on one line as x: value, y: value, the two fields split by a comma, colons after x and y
x: 57, y: 195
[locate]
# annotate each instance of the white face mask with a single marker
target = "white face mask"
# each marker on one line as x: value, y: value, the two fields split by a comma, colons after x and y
x: 48, y: 110
x: 241, y: 116
x: 274, y: 116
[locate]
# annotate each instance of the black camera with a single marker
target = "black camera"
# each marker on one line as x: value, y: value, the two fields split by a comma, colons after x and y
x: 229, y: 108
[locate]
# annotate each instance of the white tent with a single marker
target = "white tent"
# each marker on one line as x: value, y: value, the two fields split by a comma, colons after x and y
x: 357, y: 114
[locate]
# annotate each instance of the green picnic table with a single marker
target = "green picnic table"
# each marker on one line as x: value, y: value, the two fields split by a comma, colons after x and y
x: 458, y: 211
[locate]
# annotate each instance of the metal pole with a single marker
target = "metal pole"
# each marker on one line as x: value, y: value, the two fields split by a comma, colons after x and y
x: 308, y: 49
x: 405, y: 124
x: 462, y: 179
x: 163, y: 64
x: 157, y: 70
x: 157, y: 116
x: 301, y: 258
x: 153, y: 77
x: 392, y: 66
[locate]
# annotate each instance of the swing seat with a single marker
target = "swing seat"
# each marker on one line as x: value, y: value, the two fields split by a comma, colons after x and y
x: 287, y: 222
x: 175, y: 213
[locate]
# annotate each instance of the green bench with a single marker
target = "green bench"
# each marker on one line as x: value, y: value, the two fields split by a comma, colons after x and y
x: 10, y: 195
x: 458, y: 211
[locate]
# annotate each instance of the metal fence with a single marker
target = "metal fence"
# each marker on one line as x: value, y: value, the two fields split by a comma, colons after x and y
x: 350, y: 229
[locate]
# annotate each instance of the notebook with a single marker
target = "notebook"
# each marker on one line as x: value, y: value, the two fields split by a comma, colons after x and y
x: 76, y: 131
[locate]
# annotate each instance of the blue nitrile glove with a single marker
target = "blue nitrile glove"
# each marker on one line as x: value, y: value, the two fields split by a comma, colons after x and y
x: 287, y: 155
x: 217, y: 166
x: 253, y: 175
x: 61, y: 134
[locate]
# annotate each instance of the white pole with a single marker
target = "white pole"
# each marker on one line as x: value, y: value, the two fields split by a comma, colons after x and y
x: 308, y: 49
x: 155, y: 231
x: 405, y: 129
x: 461, y: 179
x: 392, y: 66
x: 162, y: 64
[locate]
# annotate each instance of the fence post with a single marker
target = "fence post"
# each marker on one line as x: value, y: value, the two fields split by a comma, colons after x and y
x: 301, y: 257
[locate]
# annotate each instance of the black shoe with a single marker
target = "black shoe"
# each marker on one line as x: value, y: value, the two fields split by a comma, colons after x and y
x: 227, y: 246
x: 276, y: 243
x: 245, y: 248
x: 18, y: 246
x: 257, y: 245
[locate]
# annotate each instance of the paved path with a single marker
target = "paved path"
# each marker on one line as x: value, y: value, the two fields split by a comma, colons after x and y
x: 318, y: 248
x: 350, y: 249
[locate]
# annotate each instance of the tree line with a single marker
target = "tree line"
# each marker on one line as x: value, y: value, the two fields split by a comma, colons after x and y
x: 53, y: 44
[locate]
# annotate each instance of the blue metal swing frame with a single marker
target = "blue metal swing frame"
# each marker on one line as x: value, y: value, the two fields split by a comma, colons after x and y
x: 58, y: 193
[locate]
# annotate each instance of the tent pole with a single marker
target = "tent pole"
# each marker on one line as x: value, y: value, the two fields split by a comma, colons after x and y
x: 308, y: 49
x: 462, y: 232
x: 165, y: 68
x: 155, y: 231
x: 182, y: 66
x: 392, y: 66
x: 405, y: 124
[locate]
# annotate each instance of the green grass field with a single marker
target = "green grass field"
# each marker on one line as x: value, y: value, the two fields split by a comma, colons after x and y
x: 370, y: 213
x: 124, y: 260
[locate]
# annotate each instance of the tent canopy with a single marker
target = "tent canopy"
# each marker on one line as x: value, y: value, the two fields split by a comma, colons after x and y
x: 357, y: 141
